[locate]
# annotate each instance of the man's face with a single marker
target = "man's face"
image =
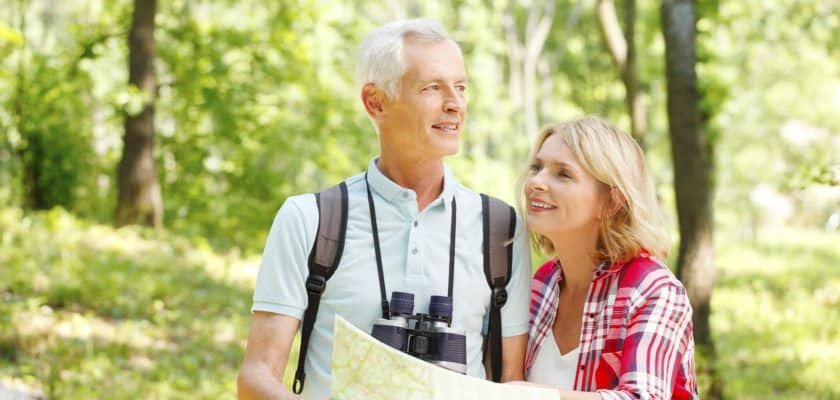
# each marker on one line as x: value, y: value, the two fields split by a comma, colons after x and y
x: 425, y: 120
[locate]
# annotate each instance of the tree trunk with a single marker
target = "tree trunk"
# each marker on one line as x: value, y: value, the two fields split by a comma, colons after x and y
x: 523, y: 58
x: 622, y: 49
x: 691, y: 152
x: 139, y: 200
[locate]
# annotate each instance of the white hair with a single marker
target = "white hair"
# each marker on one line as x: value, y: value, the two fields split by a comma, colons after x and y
x: 381, y: 59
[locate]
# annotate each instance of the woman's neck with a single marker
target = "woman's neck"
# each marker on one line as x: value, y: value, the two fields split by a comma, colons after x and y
x: 576, y: 255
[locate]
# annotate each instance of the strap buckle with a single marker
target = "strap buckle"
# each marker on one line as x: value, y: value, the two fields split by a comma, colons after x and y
x: 316, y: 284
x: 498, y: 297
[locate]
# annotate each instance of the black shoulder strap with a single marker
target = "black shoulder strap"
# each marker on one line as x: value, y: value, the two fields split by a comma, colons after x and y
x: 323, y: 260
x: 499, y: 221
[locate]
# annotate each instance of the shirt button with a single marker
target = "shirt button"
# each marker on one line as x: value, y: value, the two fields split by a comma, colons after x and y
x: 405, y: 195
x: 415, y: 224
x: 591, y: 315
x: 414, y: 251
x: 581, y: 367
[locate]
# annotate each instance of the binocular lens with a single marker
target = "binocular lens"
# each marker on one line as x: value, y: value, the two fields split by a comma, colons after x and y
x: 402, y: 303
x: 441, y: 307
x: 431, y: 338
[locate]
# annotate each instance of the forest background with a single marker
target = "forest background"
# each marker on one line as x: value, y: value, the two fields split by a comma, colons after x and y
x: 235, y: 105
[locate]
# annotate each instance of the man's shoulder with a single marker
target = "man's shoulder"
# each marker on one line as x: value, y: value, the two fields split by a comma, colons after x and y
x: 303, y: 205
x: 309, y: 197
x: 464, y: 192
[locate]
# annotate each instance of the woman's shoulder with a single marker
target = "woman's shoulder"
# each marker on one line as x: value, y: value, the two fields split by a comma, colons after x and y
x: 647, y: 273
x: 545, y: 271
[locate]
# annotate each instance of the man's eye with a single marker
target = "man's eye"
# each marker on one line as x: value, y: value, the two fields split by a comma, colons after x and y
x: 432, y: 87
x: 461, y: 88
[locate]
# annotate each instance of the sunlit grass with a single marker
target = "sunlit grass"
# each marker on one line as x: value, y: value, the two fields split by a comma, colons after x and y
x: 88, y: 311
x: 776, y: 315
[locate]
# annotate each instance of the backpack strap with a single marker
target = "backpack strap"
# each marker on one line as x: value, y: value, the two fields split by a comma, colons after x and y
x: 499, y: 225
x: 323, y: 260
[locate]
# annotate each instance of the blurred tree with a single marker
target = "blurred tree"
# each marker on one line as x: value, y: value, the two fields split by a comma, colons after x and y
x: 524, y: 54
x: 45, y: 89
x: 622, y: 47
x: 692, y: 154
x: 139, y: 199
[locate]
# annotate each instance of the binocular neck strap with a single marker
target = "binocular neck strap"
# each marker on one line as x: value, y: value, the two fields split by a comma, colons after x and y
x: 386, y: 312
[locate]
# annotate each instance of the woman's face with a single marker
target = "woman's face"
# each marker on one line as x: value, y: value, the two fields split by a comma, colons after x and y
x: 563, y: 200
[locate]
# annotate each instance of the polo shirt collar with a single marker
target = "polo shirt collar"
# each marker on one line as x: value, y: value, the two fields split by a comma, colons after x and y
x: 392, y: 192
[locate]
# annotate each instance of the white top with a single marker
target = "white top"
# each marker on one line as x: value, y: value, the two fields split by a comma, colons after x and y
x: 415, y: 258
x: 552, y: 368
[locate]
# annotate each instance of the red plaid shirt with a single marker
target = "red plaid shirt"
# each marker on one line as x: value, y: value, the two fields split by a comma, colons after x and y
x: 636, y: 335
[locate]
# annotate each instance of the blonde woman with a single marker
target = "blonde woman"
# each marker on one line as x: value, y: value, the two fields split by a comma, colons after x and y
x: 608, y: 319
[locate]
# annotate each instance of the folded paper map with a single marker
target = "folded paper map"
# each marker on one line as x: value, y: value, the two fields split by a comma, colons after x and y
x: 366, y: 369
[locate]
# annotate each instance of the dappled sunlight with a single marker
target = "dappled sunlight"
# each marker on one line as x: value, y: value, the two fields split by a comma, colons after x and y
x: 67, y: 325
x: 775, y: 318
x: 125, y: 241
x: 254, y: 101
x: 119, y: 311
x: 12, y: 388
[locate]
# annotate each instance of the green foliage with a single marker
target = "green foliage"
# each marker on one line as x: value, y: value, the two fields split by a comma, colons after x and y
x: 776, y: 315
x: 89, y: 311
x: 256, y: 101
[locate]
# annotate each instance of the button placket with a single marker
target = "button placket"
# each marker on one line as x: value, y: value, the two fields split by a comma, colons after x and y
x: 414, y: 266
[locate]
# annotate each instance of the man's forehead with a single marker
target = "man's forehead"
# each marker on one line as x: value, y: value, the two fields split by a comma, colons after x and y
x: 438, y: 61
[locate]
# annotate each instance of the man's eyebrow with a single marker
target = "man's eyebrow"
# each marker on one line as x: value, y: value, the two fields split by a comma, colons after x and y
x: 441, y: 79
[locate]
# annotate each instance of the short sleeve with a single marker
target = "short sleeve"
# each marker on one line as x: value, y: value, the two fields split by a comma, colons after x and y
x: 515, y: 312
x: 280, y: 286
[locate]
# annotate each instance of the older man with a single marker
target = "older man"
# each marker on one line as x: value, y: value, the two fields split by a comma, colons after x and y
x: 413, y: 87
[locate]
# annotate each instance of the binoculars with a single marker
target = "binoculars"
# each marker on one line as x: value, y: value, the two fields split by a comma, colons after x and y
x: 430, y: 338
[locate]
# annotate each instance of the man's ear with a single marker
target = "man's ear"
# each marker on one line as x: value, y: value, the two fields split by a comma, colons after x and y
x: 372, y: 98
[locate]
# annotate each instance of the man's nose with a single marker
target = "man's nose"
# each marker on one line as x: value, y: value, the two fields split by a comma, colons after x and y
x: 454, y: 101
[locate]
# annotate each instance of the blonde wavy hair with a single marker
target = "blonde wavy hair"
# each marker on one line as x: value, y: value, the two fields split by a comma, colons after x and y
x: 612, y: 157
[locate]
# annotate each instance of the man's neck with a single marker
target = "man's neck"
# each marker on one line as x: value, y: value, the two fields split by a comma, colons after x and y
x: 424, y: 177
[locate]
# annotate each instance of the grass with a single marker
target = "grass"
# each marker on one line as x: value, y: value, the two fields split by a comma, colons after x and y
x: 776, y: 315
x: 88, y: 311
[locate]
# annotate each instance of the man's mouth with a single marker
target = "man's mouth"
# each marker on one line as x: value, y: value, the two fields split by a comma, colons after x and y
x: 447, y: 126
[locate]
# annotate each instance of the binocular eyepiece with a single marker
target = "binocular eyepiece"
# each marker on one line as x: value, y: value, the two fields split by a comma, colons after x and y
x: 431, y: 338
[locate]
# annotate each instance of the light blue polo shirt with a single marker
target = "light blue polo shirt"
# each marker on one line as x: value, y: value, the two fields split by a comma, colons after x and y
x: 415, y: 258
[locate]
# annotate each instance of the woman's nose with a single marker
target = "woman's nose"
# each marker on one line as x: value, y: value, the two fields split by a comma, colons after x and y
x: 535, y: 183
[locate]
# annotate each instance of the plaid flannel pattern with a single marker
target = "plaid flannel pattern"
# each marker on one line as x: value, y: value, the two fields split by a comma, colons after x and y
x: 636, y: 333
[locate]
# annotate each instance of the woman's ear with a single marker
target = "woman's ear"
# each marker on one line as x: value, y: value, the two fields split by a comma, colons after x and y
x: 372, y: 99
x: 613, y: 202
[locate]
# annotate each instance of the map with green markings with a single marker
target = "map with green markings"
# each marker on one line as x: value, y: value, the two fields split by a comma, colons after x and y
x: 366, y: 369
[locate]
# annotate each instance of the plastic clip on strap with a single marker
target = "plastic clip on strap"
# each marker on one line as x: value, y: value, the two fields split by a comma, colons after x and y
x: 498, y: 256
x: 499, y: 297
x: 315, y: 285
x: 323, y: 260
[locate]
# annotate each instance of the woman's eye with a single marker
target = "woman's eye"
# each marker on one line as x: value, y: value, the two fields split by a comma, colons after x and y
x: 564, y: 174
x: 534, y: 168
